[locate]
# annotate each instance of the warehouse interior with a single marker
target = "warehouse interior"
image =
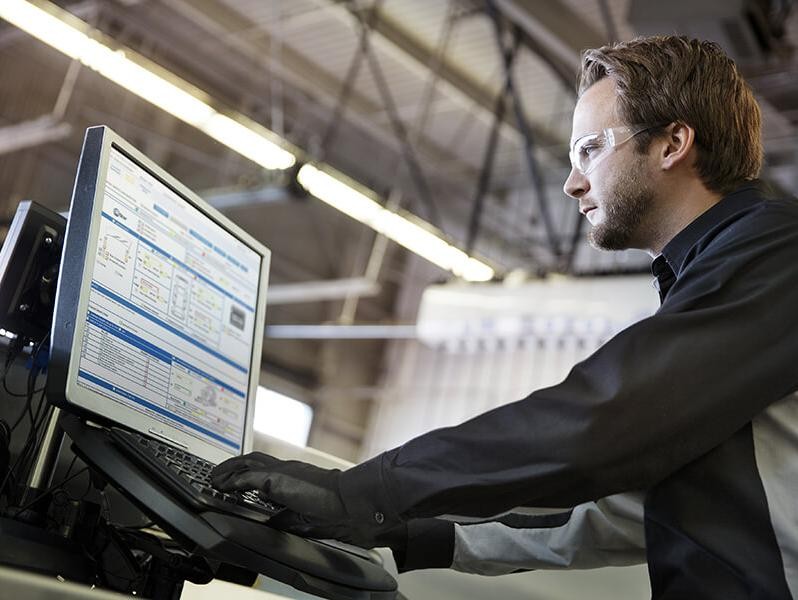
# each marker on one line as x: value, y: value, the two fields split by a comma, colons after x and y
x: 454, y: 112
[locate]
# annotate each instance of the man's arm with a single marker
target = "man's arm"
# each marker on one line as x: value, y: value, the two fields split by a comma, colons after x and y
x: 659, y: 394
x: 656, y: 396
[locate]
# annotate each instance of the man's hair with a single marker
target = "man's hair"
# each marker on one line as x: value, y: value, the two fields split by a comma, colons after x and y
x: 665, y: 79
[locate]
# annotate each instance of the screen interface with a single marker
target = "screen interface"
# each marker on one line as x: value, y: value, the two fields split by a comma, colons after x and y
x: 170, y: 321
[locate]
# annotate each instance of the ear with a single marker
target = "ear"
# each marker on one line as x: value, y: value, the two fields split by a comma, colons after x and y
x: 677, y: 144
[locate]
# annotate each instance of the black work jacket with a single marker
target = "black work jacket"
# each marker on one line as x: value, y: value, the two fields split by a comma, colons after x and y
x: 694, y: 405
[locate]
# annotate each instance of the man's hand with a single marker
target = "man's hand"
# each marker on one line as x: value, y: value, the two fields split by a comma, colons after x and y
x: 302, y: 487
x: 311, y: 495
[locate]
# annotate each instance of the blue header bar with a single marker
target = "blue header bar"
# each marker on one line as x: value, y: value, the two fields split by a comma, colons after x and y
x: 154, y: 407
x: 127, y: 304
x: 196, y: 235
x: 142, y: 344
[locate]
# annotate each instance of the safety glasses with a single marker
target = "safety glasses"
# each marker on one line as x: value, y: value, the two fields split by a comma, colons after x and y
x: 589, y: 150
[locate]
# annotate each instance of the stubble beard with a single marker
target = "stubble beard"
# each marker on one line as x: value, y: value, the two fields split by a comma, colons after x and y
x: 629, y: 200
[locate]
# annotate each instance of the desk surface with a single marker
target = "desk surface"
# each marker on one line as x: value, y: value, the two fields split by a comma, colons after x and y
x: 230, y: 591
x: 23, y: 585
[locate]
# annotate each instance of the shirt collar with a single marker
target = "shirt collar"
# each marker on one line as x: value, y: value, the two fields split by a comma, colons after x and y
x: 663, y: 276
x: 676, y: 252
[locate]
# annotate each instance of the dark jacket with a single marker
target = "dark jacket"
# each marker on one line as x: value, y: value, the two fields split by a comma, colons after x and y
x: 693, y: 405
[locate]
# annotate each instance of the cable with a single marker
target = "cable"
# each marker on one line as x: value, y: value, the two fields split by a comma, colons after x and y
x: 71, y: 464
x: 29, y: 393
x: 32, y: 441
x: 14, y: 350
x: 42, y: 410
x: 37, y: 418
x: 5, y: 447
x: 50, y: 490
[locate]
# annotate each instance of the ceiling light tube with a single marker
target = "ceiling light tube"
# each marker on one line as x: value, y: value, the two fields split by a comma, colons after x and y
x: 66, y: 33
x: 404, y: 229
x: 71, y: 36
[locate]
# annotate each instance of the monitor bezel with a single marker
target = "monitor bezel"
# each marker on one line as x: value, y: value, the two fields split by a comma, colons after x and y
x: 71, y: 301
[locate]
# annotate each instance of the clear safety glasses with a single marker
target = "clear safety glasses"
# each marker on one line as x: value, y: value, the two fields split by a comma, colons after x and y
x: 589, y: 150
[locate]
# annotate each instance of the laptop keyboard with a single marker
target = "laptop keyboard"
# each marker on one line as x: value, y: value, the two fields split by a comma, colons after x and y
x: 190, y: 478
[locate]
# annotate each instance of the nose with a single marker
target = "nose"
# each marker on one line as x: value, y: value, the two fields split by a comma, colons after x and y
x: 576, y: 185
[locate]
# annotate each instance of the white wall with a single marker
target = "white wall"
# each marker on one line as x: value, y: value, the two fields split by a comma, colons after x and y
x: 491, y: 345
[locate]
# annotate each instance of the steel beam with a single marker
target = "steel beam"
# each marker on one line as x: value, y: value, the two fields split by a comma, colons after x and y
x: 27, y: 134
x: 317, y: 291
x: 342, y: 332
x: 457, y: 84
x: 558, y: 33
x: 250, y: 56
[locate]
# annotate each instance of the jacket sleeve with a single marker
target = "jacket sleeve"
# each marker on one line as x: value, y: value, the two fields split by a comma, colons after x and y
x: 608, y: 532
x: 605, y: 533
x: 659, y: 394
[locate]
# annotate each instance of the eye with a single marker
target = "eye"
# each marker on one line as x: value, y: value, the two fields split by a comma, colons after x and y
x: 589, y: 149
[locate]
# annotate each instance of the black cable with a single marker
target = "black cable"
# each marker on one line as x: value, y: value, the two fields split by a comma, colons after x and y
x: 37, y: 419
x: 50, y: 490
x: 14, y: 351
x: 28, y: 395
x: 5, y: 447
x: 32, y: 442
x: 42, y: 409
x: 10, y: 477
x: 71, y: 464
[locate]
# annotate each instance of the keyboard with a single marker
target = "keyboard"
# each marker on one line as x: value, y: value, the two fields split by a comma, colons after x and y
x: 189, y: 477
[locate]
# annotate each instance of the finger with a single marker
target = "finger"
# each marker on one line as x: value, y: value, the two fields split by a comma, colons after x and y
x: 254, y: 460
x: 242, y: 479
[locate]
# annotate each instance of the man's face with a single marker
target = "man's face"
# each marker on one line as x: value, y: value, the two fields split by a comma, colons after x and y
x: 617, y: 194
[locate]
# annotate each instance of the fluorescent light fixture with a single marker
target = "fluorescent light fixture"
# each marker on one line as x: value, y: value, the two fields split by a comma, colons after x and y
x: 142, y: 77
x: 412, y: 233
x: 282, y: 417
x: 71, y: 36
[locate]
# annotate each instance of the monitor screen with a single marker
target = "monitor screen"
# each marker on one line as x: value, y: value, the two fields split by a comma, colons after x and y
x: 170, y: 308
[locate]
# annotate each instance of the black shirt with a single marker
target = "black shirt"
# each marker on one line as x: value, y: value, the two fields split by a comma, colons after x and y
x: 693, y: 405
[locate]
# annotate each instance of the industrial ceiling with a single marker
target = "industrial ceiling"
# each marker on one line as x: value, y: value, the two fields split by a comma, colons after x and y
x: 409, y: 98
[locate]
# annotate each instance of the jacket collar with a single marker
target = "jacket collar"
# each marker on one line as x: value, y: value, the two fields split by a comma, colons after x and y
x: 677, y: 251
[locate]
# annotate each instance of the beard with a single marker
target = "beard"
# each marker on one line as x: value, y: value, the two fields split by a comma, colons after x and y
x: 630, y: 199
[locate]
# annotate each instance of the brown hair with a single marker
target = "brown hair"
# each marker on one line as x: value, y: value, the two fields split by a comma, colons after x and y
x: 664, y: 79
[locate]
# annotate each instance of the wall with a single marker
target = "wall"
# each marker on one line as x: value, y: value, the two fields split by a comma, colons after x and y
x: 484, y: 347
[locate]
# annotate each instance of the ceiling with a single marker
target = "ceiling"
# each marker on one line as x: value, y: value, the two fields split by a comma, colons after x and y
x: 401, y: 96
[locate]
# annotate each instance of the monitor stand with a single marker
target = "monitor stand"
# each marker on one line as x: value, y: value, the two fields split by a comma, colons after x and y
x: 221, y: 546
x: 41, y: 472
x: 26, y: 544
x: 219, y: 538
x: 76, y: 551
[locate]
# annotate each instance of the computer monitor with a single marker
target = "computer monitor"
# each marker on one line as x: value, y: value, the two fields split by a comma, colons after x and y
x: 29, y: 271
x: 160, y: 306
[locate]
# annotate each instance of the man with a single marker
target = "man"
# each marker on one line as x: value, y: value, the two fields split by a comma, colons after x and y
x: 674, y: 443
